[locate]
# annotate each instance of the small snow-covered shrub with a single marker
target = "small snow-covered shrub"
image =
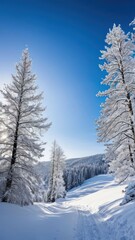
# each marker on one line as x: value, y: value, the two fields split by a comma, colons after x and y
x: 129, y: 193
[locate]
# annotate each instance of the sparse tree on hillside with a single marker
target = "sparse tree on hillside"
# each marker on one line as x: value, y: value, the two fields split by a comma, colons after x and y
x: 56, y: 184
x: 21, y: 124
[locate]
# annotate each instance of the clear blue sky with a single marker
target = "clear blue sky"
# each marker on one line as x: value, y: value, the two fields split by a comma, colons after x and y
x: 64, y: 38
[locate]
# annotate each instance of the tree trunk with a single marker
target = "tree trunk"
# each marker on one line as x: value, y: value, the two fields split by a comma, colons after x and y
x: 14, y: 151
x: 13, y: 160
x: 130, y: 107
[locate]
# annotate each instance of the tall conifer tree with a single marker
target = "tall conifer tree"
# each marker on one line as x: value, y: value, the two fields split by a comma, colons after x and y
x: 22, y: 123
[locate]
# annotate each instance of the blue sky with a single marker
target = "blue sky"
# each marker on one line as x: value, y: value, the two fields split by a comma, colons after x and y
x: 64, y: 38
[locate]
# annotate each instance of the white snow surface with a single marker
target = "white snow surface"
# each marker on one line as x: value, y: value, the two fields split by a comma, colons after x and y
x: 91, y: 211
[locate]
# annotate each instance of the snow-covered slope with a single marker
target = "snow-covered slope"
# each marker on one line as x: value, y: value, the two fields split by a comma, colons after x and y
x: 89, y: 212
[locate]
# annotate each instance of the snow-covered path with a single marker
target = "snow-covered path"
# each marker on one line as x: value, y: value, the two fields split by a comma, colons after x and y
x: 89, y: 212
x: 90, y: 225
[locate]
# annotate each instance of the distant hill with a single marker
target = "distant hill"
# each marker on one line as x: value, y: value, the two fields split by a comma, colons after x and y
x: 94, y: 159
x: 77, y: 170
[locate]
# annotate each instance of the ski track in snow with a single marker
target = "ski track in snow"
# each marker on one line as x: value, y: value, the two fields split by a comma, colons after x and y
x: 87, y: 226
x: 90, y: 227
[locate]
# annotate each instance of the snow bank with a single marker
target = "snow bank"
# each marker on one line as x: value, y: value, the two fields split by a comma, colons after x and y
x: 37, y: 222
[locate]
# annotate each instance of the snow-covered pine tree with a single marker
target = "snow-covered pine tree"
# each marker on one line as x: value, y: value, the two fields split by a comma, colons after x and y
x: 21, y: 124
x: 130, y: 189
x: 56, y: 183
x: 116, y: 123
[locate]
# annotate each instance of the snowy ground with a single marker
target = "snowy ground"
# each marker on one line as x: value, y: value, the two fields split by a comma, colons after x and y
x: 90, y: 212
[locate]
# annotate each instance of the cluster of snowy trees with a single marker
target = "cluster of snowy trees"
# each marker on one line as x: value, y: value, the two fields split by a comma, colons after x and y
x: 116, y: 125
x: 76, y: 171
